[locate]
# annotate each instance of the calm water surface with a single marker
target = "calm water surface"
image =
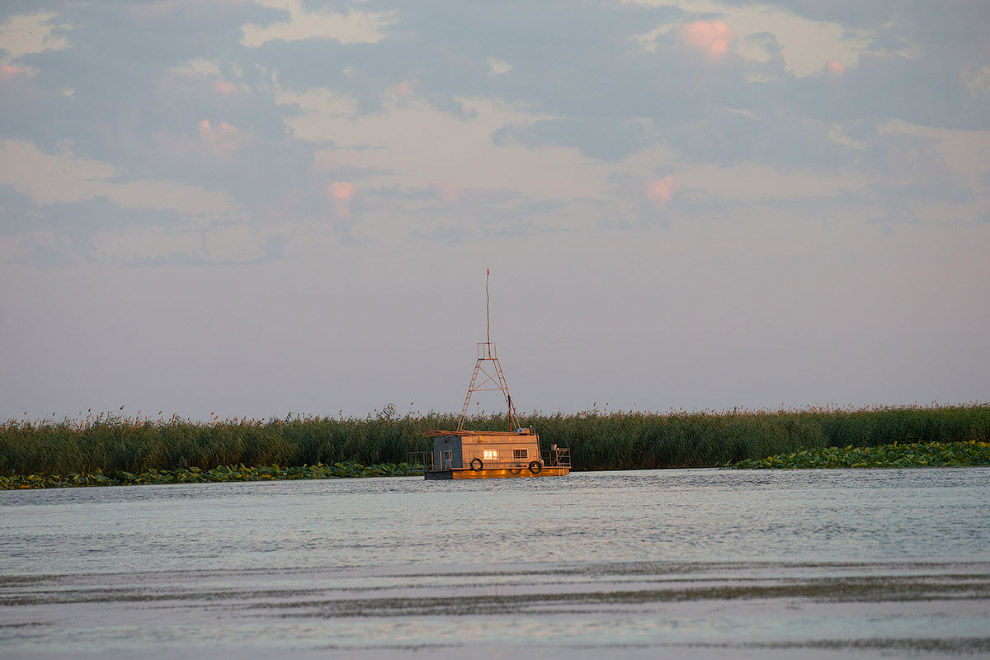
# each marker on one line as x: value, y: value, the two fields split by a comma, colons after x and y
x: 703, y: 563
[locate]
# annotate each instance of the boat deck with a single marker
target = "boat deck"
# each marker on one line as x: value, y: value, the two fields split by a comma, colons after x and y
x: 496, y: 473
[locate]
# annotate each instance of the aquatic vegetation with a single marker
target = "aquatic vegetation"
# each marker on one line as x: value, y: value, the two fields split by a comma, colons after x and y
x: 910, y: 455
x: 218, y: 474
x: 108, y: 446
x: 634, y: 440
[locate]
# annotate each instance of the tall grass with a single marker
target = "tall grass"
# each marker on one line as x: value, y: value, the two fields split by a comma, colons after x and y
x: 598, y: 441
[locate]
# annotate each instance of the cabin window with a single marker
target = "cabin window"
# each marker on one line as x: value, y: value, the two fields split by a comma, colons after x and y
x: 520, y: 454
x: 491, y: 454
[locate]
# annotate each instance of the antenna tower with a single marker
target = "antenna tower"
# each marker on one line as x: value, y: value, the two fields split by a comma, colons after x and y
x: 488, y: 367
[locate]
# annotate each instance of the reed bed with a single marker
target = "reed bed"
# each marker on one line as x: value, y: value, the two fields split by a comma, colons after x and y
x: 633, y: 440
x: 112, y: 444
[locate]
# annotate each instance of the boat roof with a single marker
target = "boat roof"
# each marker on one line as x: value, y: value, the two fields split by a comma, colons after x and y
x: 506, y: 434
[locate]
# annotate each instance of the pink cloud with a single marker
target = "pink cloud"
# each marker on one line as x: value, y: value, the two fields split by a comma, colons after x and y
x: 450, y: 193
x: 8, y: 71
x: 661, y: 191
x: 223, y: 87
x: 713, y: 37
x: 341, y: 193
x: 835, y: 68
x: 223, y: 136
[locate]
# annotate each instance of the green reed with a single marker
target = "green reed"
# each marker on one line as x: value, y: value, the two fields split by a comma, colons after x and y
x: 111, y: 444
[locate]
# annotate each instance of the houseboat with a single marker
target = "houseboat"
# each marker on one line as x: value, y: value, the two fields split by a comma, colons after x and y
x: 516, y: 452
x: 493, y: 455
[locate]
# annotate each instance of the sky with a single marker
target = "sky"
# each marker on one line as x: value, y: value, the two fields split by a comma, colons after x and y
x: 266, y: 208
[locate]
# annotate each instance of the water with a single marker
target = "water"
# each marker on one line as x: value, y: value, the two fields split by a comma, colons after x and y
x: 704, y: 563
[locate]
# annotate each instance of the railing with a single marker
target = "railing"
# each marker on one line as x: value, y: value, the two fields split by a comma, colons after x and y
x: 501, y: 465
x: 557, y: 457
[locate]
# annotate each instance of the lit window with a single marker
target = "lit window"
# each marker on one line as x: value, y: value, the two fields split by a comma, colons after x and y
x: 491, y: 454
x: 520, y: 454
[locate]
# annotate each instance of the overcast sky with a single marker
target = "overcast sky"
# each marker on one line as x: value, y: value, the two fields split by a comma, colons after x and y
x: 256, y: 208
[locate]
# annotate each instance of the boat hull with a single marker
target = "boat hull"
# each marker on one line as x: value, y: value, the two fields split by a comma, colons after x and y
x: 501, y: 473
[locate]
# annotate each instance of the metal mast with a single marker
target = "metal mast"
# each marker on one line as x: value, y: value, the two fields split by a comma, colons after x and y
x: 488, y: 367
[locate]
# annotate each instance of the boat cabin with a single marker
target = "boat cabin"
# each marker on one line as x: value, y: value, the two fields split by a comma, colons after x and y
x: 485, y: 449
x: 487, y: 454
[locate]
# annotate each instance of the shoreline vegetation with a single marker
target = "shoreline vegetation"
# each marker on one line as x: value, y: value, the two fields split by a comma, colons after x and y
x: 219, y: 474
x: 108, y: 449
x: 911, y: 455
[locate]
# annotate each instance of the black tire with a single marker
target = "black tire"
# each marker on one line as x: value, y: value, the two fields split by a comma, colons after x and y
x: 477, y: 465
x: 535, y: 467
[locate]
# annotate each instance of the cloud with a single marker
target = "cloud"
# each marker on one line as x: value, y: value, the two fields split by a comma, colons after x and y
x: 600, y: 138
x: 31, y: 33
x: 223, y: 136
x: 752, y: 183
x: 341, y: 194
x: 713, y: 37
x: 317, y: 102
x: 219, y: 244
x: 806, y: 45
x: 976, y: 79
x: 224, y: 87
x: 10, y: 71
x: 308, y: 145
x: 199, y: 67
x: 497, y: 67
x: 210, y: 70
x: 450, y: 193
x: 100, y: 230
x: 925, y: 91
x: 835, y: 68
x: 965, y: 152
x: 342, y: 191
x: 50, y: 178
x: 352, y: 27
x: 660, y: 191
x: 774, y: 135
x: 415, y: 145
